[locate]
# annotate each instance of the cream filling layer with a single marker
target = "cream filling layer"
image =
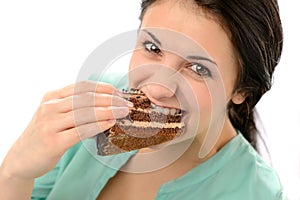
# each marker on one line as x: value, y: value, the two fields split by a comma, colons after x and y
x: 140, y: 124
x: 165, y: 111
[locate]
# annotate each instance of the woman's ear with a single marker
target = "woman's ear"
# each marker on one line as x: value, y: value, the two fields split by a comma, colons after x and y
x: 238, y: 98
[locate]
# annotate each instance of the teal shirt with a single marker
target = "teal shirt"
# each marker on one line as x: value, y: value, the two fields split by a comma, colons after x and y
x: 235, y: 172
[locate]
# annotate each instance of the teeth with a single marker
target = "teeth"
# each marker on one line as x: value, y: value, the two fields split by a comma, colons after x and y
x: 165, y: 111
x: 159, y: 109
x: 172, y: 111
x: 153, y: 105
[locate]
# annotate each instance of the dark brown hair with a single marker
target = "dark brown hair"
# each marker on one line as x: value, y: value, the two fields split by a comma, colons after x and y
x: 255, y: 29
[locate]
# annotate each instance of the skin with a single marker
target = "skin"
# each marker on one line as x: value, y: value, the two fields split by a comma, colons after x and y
x: 210, y: 36
x: 167, y: 65
x: 54, y: 129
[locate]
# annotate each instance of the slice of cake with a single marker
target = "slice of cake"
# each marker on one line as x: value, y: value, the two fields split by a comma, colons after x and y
x: 146, y: 125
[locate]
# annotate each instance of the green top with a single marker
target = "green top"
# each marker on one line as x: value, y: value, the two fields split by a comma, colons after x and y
x: 235, y: 172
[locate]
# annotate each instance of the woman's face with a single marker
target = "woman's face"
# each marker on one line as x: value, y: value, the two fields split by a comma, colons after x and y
x: 185, y: 60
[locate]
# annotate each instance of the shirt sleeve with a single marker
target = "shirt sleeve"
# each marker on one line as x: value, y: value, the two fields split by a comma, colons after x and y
x: 44, y: 184
x: 117, y: 79
x: 282, y: 196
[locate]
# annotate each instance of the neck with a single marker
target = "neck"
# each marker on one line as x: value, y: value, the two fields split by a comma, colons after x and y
x: 207, y: 145
x: 186, y: 154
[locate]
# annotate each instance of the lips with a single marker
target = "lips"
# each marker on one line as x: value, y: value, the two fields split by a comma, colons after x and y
x: 165, y: 109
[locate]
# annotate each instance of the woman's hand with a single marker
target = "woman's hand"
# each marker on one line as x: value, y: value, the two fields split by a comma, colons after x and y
x: 64, y: 117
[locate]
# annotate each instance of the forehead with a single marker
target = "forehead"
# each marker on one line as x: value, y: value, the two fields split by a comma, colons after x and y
x: 192, y: 22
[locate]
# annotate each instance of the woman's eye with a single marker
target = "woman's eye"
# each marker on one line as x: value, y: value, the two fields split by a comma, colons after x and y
x: 201, y: 70
x: 151, y: 48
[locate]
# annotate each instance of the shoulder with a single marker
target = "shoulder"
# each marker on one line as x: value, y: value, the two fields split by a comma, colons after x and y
x: 265, y: 180
x: 234, y: 172
x: 118, y: 79
x: 255, y: 177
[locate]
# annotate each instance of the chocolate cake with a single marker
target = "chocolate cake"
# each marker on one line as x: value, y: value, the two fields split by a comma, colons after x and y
x: 146, y: 125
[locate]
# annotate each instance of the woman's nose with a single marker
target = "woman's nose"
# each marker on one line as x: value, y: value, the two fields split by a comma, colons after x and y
x: 158, y: 79
x: 160, y: 91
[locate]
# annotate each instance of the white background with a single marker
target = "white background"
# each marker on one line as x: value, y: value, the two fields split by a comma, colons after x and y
x: 44, y: 43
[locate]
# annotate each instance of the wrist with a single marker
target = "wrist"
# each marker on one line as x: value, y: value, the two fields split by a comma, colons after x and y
x: 14, y: 187
x: 7, y: 176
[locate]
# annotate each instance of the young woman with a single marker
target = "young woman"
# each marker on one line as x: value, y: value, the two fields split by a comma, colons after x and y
x: 214, y: 60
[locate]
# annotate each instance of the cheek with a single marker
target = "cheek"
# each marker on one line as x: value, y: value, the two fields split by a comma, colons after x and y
x: 200, y: 115
x: 205, y: 107
x: 229, y: 83
x: 211, y: 104
x: 203, y: 99
x: 228, y: 77
x: 135, y: 60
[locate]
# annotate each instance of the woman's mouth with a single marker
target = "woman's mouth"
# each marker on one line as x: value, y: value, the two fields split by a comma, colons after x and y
x: 166, y: 110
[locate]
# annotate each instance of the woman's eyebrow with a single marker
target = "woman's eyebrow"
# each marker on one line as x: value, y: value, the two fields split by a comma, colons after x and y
x: 194, y: 57
x: 153, y: 37
x: 200, y: 58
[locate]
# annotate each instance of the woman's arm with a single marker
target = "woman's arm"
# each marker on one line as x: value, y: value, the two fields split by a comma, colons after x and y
x: 14, y: 187
x: 65, y: 116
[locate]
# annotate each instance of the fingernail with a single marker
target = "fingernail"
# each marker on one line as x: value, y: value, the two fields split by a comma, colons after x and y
x: 111, y: 121
x: 130, y: 104
x: 118, y: 93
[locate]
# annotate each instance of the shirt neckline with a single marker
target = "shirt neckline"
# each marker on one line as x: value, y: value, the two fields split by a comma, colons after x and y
x: 203, y: 171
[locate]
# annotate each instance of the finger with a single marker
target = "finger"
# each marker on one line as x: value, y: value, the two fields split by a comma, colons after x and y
x: 90, y: 115
x: 74, y: 135
x: 99, y: 100
x: 78, y: 88
x: 88, y: 99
